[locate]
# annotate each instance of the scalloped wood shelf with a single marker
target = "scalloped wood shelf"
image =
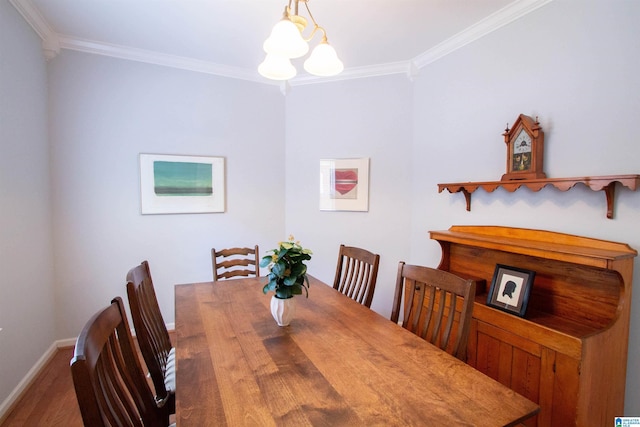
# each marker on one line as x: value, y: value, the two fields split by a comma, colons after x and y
x: 595, y: 183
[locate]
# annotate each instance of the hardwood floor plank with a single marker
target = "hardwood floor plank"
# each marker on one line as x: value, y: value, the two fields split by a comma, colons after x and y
x: 50, y: 400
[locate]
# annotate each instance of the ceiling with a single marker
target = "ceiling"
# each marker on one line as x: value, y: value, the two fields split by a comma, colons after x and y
x: 225, y: 37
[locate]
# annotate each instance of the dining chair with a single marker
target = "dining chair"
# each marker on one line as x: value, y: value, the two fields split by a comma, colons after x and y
x: 234, y: 262
x: 437, y: 306
x: 110, y: 384
x: 356, y: 273
x: 152, y: 335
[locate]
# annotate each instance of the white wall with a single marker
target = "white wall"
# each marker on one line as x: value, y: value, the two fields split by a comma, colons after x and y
x: 26, y: 262
x: 104, y: 112
x: 574, y: 65
x: 363, y: 118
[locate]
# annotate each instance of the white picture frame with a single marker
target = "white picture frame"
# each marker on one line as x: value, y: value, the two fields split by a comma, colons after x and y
x: 344, y: 184
x: 175, y: 184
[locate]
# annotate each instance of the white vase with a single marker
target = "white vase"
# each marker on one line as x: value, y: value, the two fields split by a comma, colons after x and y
x: 283, y: 310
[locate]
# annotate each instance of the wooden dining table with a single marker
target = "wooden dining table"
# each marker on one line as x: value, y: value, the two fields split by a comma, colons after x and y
x: 337, y: 364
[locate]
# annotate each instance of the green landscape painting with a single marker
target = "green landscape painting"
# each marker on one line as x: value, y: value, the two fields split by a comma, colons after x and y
x: 182, y: 179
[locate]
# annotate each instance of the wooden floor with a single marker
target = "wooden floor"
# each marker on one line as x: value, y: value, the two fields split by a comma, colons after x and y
x: 50, y: 400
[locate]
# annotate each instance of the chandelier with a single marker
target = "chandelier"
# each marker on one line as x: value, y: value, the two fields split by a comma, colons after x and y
x: 286, y: 42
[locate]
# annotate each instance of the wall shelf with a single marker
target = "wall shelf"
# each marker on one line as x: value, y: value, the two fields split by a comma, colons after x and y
x: 595, y: 183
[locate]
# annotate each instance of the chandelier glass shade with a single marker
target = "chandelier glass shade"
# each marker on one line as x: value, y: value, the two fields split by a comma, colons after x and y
x: 323, y: 61
x: 277, y: 67
x: 286, y: 42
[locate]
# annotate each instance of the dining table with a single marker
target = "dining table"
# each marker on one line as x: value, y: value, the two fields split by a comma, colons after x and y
x: 338, y: 363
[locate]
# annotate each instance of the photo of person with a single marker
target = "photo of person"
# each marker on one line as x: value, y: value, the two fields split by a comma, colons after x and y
x: 509, y: 290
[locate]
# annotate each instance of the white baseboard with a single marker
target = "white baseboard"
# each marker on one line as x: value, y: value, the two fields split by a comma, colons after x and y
x: 8, y: 403
x: 27, y: 380
x: 69, y: 342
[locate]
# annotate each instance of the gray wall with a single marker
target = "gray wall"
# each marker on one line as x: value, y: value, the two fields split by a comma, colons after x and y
x: 362, y: 118
x: 104, y: 112
x: 572, y: 64
x: 26, y: 261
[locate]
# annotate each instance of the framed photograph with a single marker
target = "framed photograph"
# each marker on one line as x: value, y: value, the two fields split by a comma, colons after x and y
x: 344, y: 184
x: 510, y: 289
x: 181, y: 184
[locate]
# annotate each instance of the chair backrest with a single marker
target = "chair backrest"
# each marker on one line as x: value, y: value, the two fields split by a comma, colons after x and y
x: 356, y: 273
x: 234, y: 262
x: 437, y: 306
x: 110, y: 385
x: 151, y: 331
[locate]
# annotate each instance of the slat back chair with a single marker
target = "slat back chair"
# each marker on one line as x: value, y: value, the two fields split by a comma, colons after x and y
x: 235, y: 262
x: 151, y: 333
x: 110, y: 384
x: 357, y: 273
x: 437, y: 306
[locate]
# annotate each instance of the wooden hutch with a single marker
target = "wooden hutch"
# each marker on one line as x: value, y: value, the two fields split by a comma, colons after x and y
x: 569, y: 352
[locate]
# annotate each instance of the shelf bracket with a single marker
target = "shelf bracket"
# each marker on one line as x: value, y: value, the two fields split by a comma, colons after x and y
x: 467, y: 197
x: 610, y: 192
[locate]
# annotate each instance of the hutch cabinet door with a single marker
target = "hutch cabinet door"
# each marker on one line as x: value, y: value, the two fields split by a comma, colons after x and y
x: 536, y: 372
x: 564, y: 392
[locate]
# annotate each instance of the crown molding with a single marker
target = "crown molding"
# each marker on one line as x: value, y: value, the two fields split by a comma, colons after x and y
x: 402, y: 67
x: 156, y: 58
x: 499, y: 19
x: 53, y: 42
x: 31, y: 14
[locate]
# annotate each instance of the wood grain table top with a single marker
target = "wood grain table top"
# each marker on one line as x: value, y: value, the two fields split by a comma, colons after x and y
x: 337, y: 364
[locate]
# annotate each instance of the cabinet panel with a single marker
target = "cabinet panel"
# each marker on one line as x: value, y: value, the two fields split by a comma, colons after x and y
x: 547, y: 377
x: 488, y: 355
x: 574, y: 288
x: 507, y: 361
x: 525, y: 374
x: 565, y: 390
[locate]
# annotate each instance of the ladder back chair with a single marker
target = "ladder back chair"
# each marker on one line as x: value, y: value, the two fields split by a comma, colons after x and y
x: 235, y: 262
x: 110, y: 385
x: 437, y: 306
x: 356, y: 274
x: 152, y: 335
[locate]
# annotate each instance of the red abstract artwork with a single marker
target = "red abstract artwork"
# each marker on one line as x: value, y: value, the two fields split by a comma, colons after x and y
x: 345, y: 181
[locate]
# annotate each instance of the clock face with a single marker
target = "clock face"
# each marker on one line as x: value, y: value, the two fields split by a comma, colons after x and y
x: 522, y: 143
x: 521, y: 152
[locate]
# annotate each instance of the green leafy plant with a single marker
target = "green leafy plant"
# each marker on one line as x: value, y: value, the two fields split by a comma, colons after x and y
x: 287, y: 271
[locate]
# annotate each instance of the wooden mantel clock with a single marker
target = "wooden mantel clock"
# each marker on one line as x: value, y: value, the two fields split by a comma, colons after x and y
x: 525, y: 149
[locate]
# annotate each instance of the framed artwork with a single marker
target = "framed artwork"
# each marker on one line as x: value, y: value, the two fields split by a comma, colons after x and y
x: 344, y: 184
x: 181, y: 184
x: 510, y: 289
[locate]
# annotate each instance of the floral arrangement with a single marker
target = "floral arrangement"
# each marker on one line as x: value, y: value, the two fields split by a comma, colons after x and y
x: 287, y: 271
